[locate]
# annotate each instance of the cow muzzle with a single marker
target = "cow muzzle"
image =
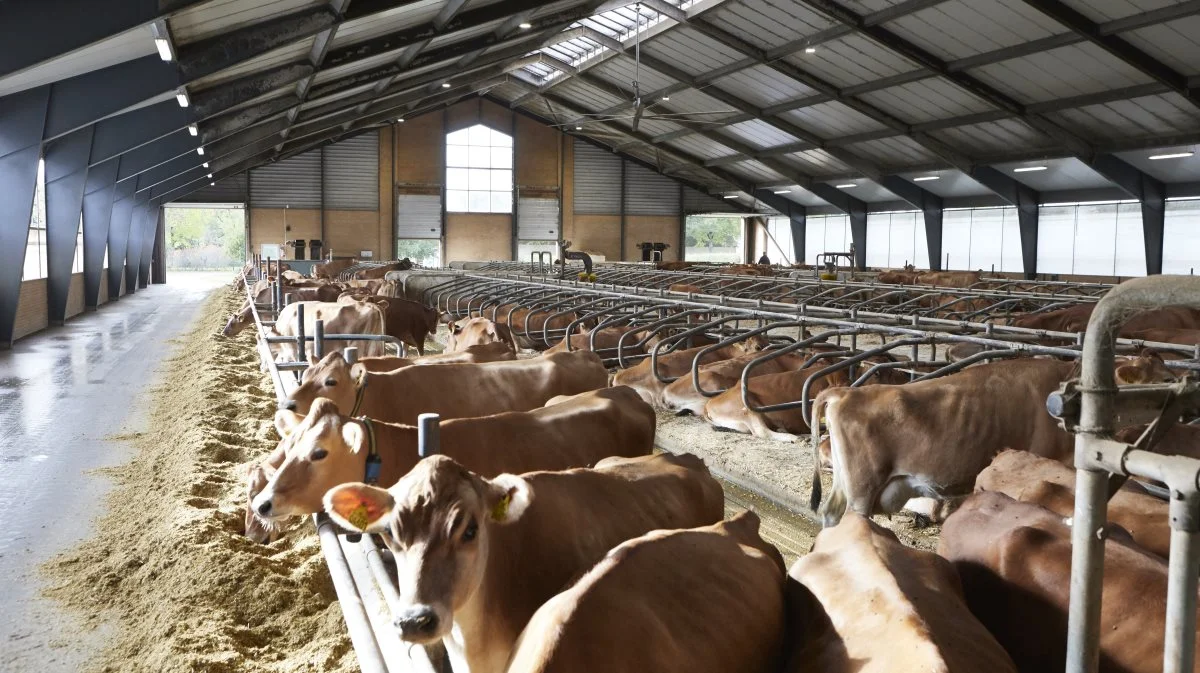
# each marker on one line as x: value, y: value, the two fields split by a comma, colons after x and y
x: 418, y: 623
x: 289, y: 405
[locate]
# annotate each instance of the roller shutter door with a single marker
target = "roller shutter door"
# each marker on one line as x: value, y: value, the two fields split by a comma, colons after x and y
x: 294, y: 182
x: 229, y: 190
x: 537, y: 220
x: 649, y: 193
x: 352, y: 173
x: 597, y: 180
x: 695, y: 201
x: 418, y: 216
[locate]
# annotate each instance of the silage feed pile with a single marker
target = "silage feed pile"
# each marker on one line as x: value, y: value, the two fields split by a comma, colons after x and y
x: 169, y: 565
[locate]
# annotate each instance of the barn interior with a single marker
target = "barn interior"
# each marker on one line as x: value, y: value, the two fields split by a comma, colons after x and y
x: 787, y: 209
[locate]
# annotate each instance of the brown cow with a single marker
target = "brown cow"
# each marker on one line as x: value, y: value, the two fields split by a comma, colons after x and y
x: 673, y: 266
x: 520, y: 322
x: 476, y: 557
x: 1015, y: 563
x: 378, y: 272
x: 332, y: 268
x: 735, y: 623
x: 245, y: 318
x: 408, y: 321
x: 329, y: 449
x: 932, y: 438
x: 948, y: 278
x: 906, y: 276
x: 1075, y: 319
x: 463, y: 334
x: 493, y: 352
x: 861, y: 602
x: 681, y: 396
x: 1188, y: 337
x: 641, y: 378
x: 727, y: 411
x: 453, y: 390
x: 607, y: 340
x: 338, y: 319
x: 1050, y: 484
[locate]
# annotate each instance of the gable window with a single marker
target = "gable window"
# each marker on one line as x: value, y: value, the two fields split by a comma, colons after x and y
x: 479, y: 176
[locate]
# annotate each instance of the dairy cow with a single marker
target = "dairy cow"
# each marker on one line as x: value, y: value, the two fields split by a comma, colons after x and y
x: 641, y: 376
x: 462, y: 334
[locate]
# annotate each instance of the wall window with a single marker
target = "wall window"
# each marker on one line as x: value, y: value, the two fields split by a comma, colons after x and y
x: 826, y: 233
x: 714, y: 239
x: 35, y: 247
x: 1181, y: 237
x: 779, y: 240
x: 892, y: 239
x: 423, y: 251
x: 1095, y: 239
x: 479, y: 176
x: 77, y: 264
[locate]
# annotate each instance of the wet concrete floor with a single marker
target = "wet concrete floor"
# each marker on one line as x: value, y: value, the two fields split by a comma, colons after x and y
x: 66, y: 394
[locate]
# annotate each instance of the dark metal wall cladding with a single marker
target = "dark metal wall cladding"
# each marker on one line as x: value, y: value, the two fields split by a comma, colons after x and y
x: 698, y: 202
x: 230, y: 190
x: 352, y: 173
x: 649, y: 193
x: 418, y: 216
x: 537, y: 219
x: 597, y: 180
x: 291, y: 183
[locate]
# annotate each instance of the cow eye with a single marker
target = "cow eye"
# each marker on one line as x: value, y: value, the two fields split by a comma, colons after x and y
x: 329, y: 383
x: 471, y: 531
x: 318, y: 454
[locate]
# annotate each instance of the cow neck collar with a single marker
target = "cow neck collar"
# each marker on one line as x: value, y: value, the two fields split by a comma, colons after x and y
x: 374, y: 460
x: 358, y: 394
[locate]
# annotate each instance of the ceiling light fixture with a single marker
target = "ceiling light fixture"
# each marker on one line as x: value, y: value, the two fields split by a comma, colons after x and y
x: 181, y: 96
x: 848, y: 185
x: 205, y: 164
x: 926, y: 178
x: 578, y: 128
x: 193, y: 129
x: 731, y: 196
x: 200, y: 151
x: 1173, y: 155
x: 164, y: 48
x: 666, y: 98
x: 445, y: 85
x: 525, y: 25
x: 212, y: 184
x: 783, y: 191
x: 1029, y: 169
x: 210, y: 176
x: 810, y: 50
x: 400, y: 120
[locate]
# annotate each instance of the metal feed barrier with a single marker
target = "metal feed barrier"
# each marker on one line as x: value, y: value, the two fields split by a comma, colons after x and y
x: 358, y: 566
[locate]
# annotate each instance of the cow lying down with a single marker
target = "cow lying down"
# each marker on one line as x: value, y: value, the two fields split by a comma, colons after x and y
x: 325, y: 449
x: 930, y: 439
x: 477, y: 557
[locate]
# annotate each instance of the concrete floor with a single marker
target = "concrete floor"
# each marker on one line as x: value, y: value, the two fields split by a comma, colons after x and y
x: 63, y: 391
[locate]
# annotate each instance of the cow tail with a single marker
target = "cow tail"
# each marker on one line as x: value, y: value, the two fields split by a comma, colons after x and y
x: 814, y: 500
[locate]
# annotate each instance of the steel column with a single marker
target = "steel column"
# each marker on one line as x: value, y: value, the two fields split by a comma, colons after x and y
x: 66, y: 178
x: 133, y: 250
x: 856, y: 209
x: 24, y: 116
x: 1026, y: 200
x: 1150, y: 192
x: 931, y: 207
x: 118, y: 236
x: 97, y: 214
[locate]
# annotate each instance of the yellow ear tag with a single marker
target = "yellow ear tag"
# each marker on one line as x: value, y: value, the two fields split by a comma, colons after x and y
x: 358, y: 517
x: 500, y: 509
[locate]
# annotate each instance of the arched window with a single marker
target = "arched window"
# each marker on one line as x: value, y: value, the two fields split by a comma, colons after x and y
x: 479, y: 176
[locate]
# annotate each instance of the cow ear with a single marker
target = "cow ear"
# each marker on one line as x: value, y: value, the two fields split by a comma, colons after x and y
x: 353, y: 436
x: 358, y: 506
x: 383, y: 303
x: 507, y: 497
x: 357, y: 373
x: 286, y: 421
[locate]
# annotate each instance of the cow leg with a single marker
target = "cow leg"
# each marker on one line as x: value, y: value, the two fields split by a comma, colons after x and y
x: 758, y: 427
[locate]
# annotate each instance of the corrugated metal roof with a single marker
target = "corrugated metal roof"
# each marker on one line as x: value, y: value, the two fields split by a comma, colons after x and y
x: 1176, y: 43
x: 1061, y: 174
x: 1073, y: 70
x: 622, y: 71
x: 1106, y: 10
x: 896, y: 151
x: 216, y: 17
x: 1167, y: 170
x: 382, y: 23
x: 119, y: 48
x: 927, y: 100
x: 851, y: 60
x: 949, y: 184
x: 817, y: 162
x: 993, y: 138
x: 762, y: 86
x: 961, y: 28
x: 755, y: 171
x: 590, y: 97
x: 1151, y: 115
x: 690, y: 51
x: 702, y: 148
x: 829, y: 120
x: 866, y: 190
x: 769, y: 23
x: 290, y: 53
x: 760, y: 134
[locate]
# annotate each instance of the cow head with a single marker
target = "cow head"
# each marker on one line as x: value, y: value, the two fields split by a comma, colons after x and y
x: 438, y: 521
x: 324, y: 449
x: 1147, y: 367
x: 332, y: 378
x: 238, y: 322
x: 752, y: 344
x: 476, y: 331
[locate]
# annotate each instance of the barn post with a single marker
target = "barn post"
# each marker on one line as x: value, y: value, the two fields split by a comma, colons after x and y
x: 118, y: 235
x: 98, y: 200
x: 66, y: 175
x: 798, y: 220
x: 24, y: 117
x: 1026, y: 199
x: 932, y: 208
x: 855, y: 209
x: 1150, y: 192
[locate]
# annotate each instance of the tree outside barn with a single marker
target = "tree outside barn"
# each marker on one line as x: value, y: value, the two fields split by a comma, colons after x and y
x: 201, y: 238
